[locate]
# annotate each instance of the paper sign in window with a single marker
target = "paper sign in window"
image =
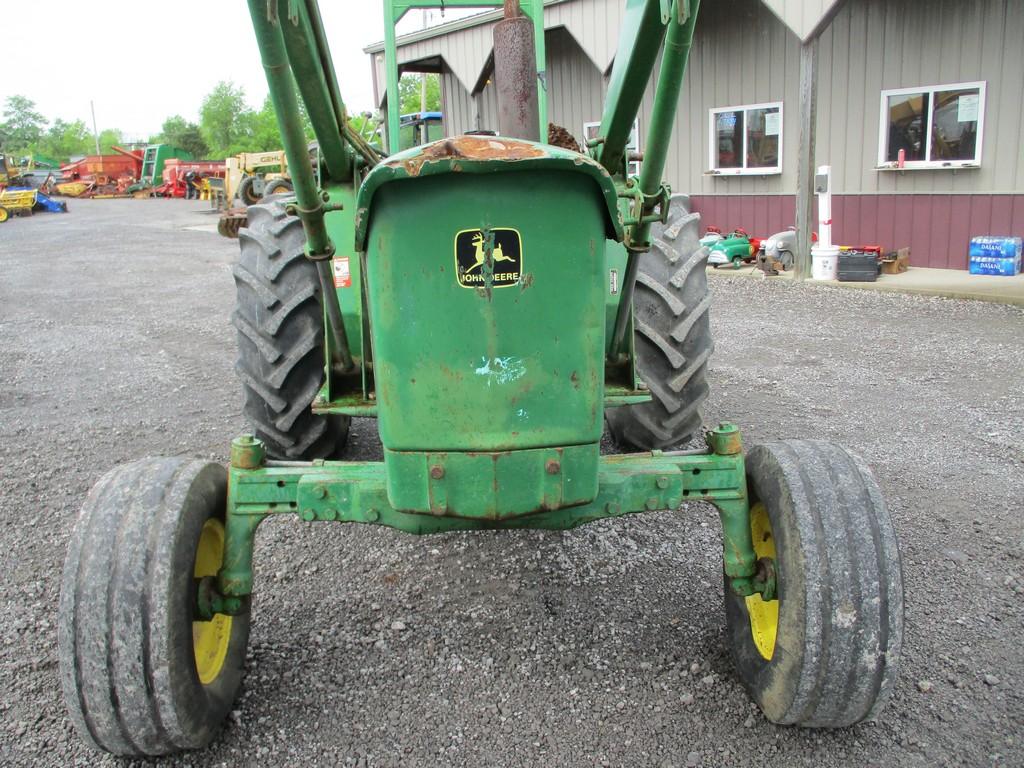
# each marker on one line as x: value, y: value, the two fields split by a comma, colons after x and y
x: 967, y: 108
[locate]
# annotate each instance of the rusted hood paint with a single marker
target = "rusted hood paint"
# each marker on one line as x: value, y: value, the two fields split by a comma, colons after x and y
x: 474, y: 148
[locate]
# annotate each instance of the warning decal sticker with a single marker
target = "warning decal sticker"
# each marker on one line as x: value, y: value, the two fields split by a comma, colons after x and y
x: 342, y: 273
x: 489, y: 257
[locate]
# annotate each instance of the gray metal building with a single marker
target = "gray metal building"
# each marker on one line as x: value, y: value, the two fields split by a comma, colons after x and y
x: 919, y: 109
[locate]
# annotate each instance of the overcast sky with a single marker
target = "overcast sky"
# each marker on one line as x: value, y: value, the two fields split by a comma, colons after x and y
x: 143, y: 61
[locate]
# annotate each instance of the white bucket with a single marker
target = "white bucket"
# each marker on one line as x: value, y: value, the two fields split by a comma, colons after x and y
x: 824, y: 263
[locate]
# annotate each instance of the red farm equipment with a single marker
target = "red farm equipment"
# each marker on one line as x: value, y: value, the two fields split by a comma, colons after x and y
x: 183, y: 178
x: 100, y: 175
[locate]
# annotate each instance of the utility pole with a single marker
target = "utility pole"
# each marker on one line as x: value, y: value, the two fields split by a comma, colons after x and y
x: 805, y: 168
x: 95, y: 133
x: 423, y: 76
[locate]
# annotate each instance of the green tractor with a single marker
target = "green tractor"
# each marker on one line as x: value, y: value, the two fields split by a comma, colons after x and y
x: 492, y: 301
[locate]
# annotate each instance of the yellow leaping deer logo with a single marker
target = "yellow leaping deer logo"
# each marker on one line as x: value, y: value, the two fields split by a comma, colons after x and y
x: 478, y: 256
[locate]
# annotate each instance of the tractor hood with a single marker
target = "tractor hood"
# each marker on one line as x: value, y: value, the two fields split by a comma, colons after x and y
x: 482, y: 154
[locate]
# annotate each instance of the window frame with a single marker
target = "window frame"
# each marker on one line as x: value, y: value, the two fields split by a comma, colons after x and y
x: 713, y: 141
x: 632, y: 166
x: 884, y: 164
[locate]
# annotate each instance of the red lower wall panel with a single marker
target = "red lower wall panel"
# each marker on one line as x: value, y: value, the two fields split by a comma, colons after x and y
x: 937, y: 228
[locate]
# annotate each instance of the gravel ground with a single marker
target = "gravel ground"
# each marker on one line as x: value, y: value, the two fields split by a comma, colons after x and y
x: 601, y: 646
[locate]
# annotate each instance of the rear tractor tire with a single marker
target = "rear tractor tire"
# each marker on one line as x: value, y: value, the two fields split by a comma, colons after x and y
x: 826, y: 652
x: 672, y: 335
x: 280, y: 322
x: 140, y: 676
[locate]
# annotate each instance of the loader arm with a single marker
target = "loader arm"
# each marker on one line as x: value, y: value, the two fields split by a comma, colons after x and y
x: 294, y: 49
x: 647, y: 26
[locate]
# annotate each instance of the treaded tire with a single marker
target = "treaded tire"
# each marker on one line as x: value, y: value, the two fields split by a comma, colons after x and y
x: 125, y: 642
x: 277, y: 187
x: 672, y: 336
x: 840, y: 588
x: 279, y: 317
x: 247, y: 191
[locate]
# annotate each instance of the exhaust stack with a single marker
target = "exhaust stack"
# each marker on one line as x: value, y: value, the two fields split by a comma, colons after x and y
x: 515, y: 75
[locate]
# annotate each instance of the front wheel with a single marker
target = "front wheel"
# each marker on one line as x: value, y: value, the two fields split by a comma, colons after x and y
x: 247, y: 193
x: 140, y: 675
x: 826, y: 652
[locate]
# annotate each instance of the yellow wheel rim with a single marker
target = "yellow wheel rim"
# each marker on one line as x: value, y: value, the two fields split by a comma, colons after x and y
x: 3, y: 214
x: 210, y: 639
x: 764, y: 616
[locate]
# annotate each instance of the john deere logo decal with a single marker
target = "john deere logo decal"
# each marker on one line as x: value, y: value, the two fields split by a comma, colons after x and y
x: 489, y: 257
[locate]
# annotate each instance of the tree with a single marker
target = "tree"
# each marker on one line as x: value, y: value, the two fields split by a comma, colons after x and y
x: 22, y: 126
x: 365, y: 124
x: 65, y: 139
x: 229, y: 126
x: 226, y: 122
x: 108, y: 138
x: 266, y: 135
x: 410, y: 93
x: 179, y: 132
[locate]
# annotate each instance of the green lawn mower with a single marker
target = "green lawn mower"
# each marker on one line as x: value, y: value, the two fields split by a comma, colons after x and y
x: 492, y: 300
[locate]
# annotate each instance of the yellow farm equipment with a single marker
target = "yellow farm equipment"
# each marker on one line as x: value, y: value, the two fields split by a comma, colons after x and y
x: 73, y: 188
x: 250, y: 173
x: 16, y: 203
x: 249, y: 178
x: 25, y: 202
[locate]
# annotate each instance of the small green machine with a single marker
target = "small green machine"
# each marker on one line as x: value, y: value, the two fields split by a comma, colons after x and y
x: 494, y: 301
x: 153, y: 161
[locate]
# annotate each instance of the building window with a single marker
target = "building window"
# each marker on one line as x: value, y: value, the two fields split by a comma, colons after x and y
x: 746, y: 139
x: 937, y: 126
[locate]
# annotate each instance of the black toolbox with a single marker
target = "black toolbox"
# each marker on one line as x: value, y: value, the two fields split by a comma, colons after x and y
x: 856, y: 266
